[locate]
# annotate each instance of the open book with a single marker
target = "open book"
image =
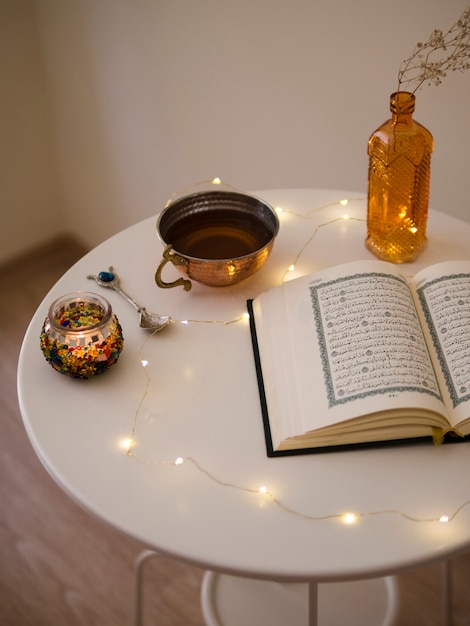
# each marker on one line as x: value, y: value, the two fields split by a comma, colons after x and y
x: 359, y: 353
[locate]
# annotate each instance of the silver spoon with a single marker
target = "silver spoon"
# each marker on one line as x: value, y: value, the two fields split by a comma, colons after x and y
x: 148, y: 320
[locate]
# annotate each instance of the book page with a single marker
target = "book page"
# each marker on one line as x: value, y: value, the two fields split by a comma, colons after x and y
x: 370, y: 338
x: 351, y: 344
x: 443, y: 299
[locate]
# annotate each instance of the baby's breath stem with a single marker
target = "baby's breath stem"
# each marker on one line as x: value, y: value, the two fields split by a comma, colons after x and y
x: 421, y: 66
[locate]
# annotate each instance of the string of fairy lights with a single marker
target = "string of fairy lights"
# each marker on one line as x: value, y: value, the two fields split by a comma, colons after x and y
x: 130, y: 444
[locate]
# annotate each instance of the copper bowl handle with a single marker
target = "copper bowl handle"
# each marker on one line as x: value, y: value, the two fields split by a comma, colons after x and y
x: 170, y: 256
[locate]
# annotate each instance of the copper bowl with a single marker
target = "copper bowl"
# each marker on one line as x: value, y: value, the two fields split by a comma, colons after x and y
x: 217, y: 238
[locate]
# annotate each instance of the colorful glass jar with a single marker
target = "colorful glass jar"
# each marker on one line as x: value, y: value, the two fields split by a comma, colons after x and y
x: 81, y: 336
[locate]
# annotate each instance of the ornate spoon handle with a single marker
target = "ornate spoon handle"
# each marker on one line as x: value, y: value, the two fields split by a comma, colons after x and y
x: 149, y: 321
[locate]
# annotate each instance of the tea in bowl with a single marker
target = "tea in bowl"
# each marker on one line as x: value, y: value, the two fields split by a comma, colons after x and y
x: 217, y: 238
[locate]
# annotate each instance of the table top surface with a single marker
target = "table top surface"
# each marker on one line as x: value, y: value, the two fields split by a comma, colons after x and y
x: 197, y: 400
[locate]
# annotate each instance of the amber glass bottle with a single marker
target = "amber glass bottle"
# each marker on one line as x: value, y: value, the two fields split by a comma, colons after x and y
x: 399, y: 173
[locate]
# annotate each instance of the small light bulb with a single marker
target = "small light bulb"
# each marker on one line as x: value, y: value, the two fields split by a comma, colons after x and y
x: 185, y: 322
x: 246, y: 316
x: 263, y: 489
x: 344, y: 202
x: 144, y: 363
x: 278, y: 210
x: 179, y: 460
x: 349, y: 518
x: 444, y: 519
x: 126, y: 444
x: 345, y: 216
x: 291, y: 268
x: 216, y: 181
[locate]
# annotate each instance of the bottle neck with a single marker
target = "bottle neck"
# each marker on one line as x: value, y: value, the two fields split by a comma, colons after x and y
x: 402, y: 106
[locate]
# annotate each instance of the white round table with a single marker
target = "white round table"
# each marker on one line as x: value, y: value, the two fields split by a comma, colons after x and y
x: 197, y: 400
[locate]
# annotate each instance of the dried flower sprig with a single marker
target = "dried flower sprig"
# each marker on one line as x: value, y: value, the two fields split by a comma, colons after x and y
x: 423, y: 66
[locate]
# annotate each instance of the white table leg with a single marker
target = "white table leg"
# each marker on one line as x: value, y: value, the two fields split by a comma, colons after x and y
x: 139, y: 563
x: 230, y: 601
x: 312, y: 603
x: 447, y: 593
x: 215, y: 593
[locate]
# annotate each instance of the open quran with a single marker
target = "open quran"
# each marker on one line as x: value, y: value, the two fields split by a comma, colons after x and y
x: 359, y: 354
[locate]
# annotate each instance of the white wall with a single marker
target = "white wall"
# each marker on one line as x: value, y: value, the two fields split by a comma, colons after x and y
x: 29, y: 186
x: 149, y: 97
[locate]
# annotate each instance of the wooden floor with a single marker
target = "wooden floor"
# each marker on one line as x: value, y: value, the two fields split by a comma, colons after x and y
x: 61, y: 567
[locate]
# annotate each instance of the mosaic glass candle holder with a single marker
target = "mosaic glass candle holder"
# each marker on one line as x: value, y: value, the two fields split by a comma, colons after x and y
x: 81, y: 336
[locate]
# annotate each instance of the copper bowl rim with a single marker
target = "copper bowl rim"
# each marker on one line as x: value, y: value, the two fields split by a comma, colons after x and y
x: 249, y: 198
